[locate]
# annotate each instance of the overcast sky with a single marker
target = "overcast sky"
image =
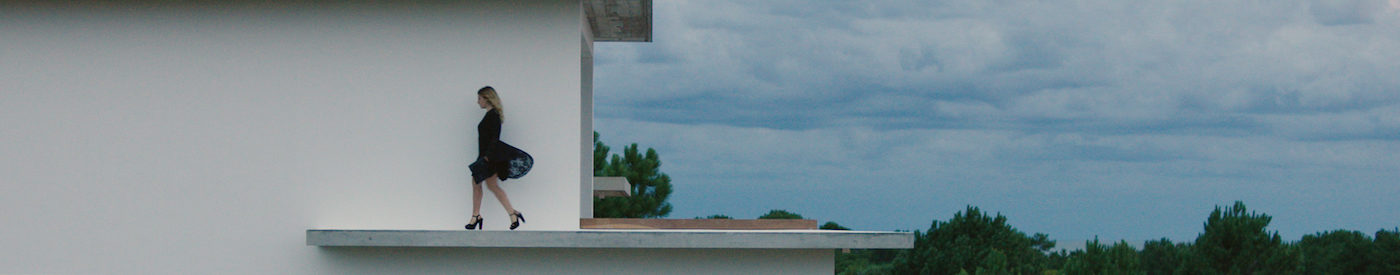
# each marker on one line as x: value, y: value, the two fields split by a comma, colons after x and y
x: 1117, y: 119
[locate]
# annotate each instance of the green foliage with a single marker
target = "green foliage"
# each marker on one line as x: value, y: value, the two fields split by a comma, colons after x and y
x: 600, y: 156
x: 1235, y: 242
x: 1385, y: 252
x: 1336, y: 252
x: 994, y: 263
x: 833, y: 226
x: 1097, y: 258
x: 865, y: 261
x: 1056, y: 260
x: 778, y: 214
x: 650, y: 187
x: 974, y: 241
x: 717, y: 217
x: 1162, y: 257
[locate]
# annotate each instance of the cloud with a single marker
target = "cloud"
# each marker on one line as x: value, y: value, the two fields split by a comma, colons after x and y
x: 769, y: 64
x: 1382, y: 124
x: 1345, y: 12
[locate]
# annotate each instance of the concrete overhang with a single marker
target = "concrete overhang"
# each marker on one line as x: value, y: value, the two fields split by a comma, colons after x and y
x: 604, y: 187
x: 670, y: 239
x: 619, y: 20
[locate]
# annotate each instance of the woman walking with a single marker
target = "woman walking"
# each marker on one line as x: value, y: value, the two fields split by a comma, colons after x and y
x: 493, y: 161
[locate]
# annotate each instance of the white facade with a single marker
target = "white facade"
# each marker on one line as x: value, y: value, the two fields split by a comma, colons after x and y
x: 207, y: 138
x: 216, y: 138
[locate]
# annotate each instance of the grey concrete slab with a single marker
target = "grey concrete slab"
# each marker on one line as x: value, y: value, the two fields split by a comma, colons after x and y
x: 619, y: 20
x: 707, y: 239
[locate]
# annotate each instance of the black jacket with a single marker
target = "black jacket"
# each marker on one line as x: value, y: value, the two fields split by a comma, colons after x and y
x: 488, y: 132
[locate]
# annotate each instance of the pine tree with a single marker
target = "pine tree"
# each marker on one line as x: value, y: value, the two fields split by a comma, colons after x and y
x: 779, y: 214
x: 971, y: 241
x: 650, y: 187
x: 1235, y: 241
x: 1162, y: 257
x: 1097, y: 258
x: 1335, y: 252
x: 1385, y: 253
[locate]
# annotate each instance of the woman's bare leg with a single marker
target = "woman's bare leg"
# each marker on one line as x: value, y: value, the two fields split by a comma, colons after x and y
x: 494, y: 184
x: 476, y: 199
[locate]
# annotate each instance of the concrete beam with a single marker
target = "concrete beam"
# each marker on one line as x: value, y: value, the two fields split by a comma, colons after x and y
x: 706, y: 239
x: 619, y: 20
x: 604, y: 187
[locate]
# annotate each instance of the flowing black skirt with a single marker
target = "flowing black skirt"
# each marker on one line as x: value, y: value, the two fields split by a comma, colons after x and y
x: 507, y: 162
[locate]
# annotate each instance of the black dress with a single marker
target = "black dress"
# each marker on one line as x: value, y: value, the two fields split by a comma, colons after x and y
x: 505, y: 161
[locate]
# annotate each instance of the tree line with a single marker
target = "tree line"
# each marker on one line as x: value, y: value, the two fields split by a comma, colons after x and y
x: 1233, y: 241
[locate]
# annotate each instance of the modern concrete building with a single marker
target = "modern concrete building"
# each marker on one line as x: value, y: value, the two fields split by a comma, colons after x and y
x: 323, y: 137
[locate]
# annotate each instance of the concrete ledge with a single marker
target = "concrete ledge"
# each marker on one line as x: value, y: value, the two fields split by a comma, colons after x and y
x: 721, y: 224
x: 767, y: 239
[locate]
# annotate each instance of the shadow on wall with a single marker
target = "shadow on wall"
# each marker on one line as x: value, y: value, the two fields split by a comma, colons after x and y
x: 416, y: 260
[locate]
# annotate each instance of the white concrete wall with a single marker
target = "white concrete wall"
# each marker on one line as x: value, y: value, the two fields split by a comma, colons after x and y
x: 205, y: 139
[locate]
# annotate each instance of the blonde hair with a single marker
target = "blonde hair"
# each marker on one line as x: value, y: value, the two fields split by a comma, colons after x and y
x: 492, y: 99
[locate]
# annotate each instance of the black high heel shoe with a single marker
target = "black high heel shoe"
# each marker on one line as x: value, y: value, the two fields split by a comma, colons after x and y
x: 520, y: 219
x: 478, y: 223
